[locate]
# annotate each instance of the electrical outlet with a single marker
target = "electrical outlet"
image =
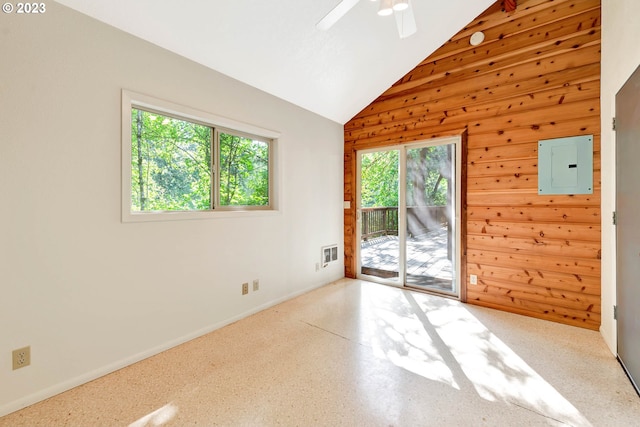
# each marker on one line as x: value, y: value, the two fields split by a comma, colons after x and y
x: 317, y: 266
x: 21, y: 357
x: 245, y: 288
x: 473, y: 279
x: 256, y: 285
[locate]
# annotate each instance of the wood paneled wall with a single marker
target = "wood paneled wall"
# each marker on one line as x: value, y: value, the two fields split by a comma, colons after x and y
x: 536, y: 76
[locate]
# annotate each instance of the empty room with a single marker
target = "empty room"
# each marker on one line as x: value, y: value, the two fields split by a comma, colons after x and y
x: 328, y: 212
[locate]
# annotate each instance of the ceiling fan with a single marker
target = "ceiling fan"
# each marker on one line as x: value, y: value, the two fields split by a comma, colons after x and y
x: 401, y: 9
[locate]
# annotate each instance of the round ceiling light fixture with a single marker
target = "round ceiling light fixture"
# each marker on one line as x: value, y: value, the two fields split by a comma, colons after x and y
x: 386, y: 7
x: 400, y: 5
x: 476, y: 38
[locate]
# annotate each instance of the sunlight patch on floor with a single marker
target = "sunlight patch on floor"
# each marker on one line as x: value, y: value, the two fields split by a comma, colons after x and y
x: 396, y: 336
x: 158, y: 417
x: 496, y: 372
x: 440, y: 340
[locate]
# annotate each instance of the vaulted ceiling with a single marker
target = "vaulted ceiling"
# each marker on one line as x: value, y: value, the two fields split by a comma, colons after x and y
x: 274, y: 45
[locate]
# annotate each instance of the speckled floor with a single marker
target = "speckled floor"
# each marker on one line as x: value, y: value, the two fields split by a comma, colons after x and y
x: 359, y: 354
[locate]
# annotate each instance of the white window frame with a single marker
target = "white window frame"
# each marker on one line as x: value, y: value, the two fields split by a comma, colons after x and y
x: 136, y: 100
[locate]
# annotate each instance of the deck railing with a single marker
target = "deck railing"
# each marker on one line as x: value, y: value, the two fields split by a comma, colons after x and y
x: 378, y: 222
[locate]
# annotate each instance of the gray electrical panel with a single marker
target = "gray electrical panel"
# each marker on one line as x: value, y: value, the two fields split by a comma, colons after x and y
x: 565, y: 165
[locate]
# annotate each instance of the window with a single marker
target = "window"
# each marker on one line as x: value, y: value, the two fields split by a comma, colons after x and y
x: 178, y: 162
x: 244, y: 170
x: 170, y: 163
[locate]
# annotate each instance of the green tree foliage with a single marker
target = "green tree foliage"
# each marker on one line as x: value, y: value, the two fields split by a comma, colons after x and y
x: 170, y: 163
x: 171, y: 166
x: 428, y: 175
x: 379, y: 179
x: 244, y: 171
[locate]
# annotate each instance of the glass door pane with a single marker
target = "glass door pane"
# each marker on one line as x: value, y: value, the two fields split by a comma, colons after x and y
x: 378, y: 215
x: 430, y: 218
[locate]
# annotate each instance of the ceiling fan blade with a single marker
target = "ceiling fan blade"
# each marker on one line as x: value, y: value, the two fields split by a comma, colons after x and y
x: 335, y: 14
x: 406, y: 22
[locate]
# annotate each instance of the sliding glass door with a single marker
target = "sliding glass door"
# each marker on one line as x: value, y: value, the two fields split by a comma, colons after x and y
x: 378, y: 214
x: 407, y: 215
x: 430, y: 212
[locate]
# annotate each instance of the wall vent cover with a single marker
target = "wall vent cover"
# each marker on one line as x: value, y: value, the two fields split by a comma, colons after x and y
x: 329, y: 254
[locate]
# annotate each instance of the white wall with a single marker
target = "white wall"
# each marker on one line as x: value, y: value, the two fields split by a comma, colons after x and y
x: 89, y: 293
x: 620, y: 58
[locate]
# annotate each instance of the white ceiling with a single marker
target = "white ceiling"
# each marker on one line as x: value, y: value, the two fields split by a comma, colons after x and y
x: 274, y: 45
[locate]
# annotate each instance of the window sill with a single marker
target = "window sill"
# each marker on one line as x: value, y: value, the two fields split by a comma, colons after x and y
x: 128, y: 217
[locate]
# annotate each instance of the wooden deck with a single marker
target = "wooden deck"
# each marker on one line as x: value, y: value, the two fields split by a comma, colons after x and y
x: 428, y: 264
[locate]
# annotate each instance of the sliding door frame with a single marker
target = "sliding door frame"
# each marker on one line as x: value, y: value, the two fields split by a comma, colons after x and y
x: 459, y: 273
